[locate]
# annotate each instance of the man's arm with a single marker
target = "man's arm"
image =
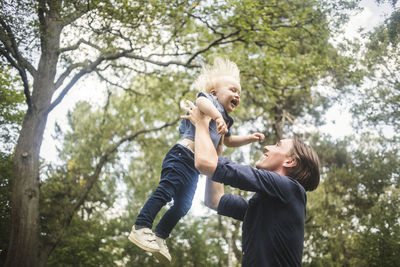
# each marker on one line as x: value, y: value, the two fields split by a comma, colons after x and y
x: 214, y: 191
x: 205, y: 156
x: 208, y: 108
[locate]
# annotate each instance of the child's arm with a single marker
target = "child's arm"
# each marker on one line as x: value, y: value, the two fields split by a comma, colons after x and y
x: 208, y: 108
x: 235, y: 140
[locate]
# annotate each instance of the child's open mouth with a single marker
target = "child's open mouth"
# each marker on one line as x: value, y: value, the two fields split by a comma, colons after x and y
x: 234, y: 102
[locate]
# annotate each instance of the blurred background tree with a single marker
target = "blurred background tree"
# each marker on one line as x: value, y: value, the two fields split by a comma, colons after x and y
x: 11, y: 115
x: 110, y: 155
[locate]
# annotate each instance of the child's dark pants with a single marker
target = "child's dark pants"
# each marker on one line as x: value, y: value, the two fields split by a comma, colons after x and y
x: 178, y: 181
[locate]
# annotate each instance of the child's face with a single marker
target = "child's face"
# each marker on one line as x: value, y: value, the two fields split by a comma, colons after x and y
x: 227, y: 90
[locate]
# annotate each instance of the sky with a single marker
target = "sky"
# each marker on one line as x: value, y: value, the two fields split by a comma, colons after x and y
x: 337, y: 117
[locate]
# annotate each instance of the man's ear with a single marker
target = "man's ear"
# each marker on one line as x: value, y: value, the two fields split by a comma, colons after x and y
x: 290, y: 162
x: 213, y: 92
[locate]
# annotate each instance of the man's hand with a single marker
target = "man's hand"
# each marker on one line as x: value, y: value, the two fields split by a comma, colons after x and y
x: 221, y: 126
x: 195, y: 115
x: 256, y: 137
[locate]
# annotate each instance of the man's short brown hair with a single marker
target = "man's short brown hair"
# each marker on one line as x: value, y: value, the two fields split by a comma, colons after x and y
x: 306, y: 171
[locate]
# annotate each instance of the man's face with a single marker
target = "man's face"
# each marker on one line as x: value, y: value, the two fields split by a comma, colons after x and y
x: 275, y: 156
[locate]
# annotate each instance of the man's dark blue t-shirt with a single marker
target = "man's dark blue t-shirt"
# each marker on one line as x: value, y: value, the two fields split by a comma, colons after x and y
x: 273, y: 219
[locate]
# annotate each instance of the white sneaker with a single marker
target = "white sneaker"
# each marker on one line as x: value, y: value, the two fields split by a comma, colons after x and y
x: 163, y: 253
x: 145, y: 239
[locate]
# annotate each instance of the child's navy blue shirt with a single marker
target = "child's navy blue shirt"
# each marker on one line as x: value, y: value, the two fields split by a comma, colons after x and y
x: 187, y: 129
x: 273, y: 219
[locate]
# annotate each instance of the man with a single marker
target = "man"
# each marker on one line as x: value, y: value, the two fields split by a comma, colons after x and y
x: 273, y: 219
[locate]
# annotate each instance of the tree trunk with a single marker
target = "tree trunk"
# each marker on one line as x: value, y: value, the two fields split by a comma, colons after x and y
x: 278, y: 123
x: 24, y: 240
x: 23, y: 249
x: 44, y: 255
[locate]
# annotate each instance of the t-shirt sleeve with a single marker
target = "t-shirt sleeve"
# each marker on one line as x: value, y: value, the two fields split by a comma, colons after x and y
x: 209, y: 97
x: 230, y: 123
x: 232, y: 206
x: 251, y: 179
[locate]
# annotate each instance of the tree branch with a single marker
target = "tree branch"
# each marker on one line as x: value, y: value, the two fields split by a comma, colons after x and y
x: 66, y: 73
x: 73, y: 16
x: 23, y: 75
x: 236, y: 250
x: 127, y: 54
x: 216, y: 42
x: 72, y: 47
x: 119, y: 86
x: 76, y: 46
x: 66, y: 89
x: 10, y: 44
x: 91, y: 67
x: 206, y: 23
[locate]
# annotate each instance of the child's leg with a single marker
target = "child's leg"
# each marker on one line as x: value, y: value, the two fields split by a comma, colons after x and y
x: 163, y: 194
x: 177, y: 169
x: 141, y: 234
x: 182, y: 203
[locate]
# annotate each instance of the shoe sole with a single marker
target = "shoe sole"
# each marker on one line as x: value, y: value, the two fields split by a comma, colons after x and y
x: 161, y: 257
x: 140, y: 245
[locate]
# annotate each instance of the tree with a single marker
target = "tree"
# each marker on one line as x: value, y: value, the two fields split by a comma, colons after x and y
x: 5, y: 205
x: 379, y: 104
x: 54, y: 44
x: 350, y: 219
x: 378, y: 110
x: 11, y: 112
x: 11, y: 116
x: 281, y: 72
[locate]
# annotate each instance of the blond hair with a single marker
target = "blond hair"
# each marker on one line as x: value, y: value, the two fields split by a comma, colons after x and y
x: 210, y: 73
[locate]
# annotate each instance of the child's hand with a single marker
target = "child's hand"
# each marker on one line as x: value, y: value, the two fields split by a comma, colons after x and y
x: 221, y: 126
x: 256, y: 137
x: 193, y: 113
